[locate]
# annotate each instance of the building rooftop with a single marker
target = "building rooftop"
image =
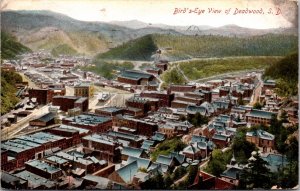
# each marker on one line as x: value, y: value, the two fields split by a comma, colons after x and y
x: 56, y: 159
x: 124, y: 135
x: 158, y: 136
x: 46, y: 136
x: 100, y: 139
x: 128, y: 171
x: 47, y: 117
x: 261, y: 114
x: 232, y: 173
x: 34, y: 180
x: 135, y: 74
x: 11, y: 179
x: 73, y: 158
x: 102, y: 183
x: 166, y: 160
x: 261, y: 134
x: 141, y: 162
x: 110, y: 109
x: 41, y: 165
x: 86, y: 119
x: 80, y: 130
x: 131, y: 151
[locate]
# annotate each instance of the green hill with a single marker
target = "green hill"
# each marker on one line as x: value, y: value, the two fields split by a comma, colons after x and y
x: 178, y: 47
x: 138, y: 49
x: 10, y: 47
x: 285, y: 72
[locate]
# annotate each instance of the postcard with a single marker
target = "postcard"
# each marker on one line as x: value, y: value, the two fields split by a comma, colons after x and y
x: 149, y: 95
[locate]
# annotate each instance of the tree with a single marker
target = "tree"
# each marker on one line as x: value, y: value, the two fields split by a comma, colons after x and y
x: 218, y: 161
x: 241, y: 147
x: 257, y: 105
x: 193, y: 171
x: 256, y: 174
x: 240, y: 101
x: 197, y: 119
x: 182, y: 118
x: 168, y: 181
x: 179, y: 172
x: 284, y: 117
x: 288, y: 176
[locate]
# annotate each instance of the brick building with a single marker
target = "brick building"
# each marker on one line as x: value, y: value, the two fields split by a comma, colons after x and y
x: 162, y: 64
x: 43, y: 96
x: 257, y: 117
x: 69, y: 102
x: 72, y: 134
x: 165, y: 98
x: 224, y: 91
x: 109, y: 111
x: 125, y: 134
x: 43, y: 121
x: 141, y: 127
x: 28, y: 147
x: 182, y: 88
x: 145, y: 104
x: 135, y: 77
x: 106, y: 147
x: 43, y: 169
x: 155, y: 71
x: 261, y: 139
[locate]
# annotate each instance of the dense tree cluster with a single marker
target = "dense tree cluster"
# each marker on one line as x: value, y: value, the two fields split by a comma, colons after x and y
x: 173, y: 77
x: 8, y: 90
x: 197, y: 120
x: 286, y: 74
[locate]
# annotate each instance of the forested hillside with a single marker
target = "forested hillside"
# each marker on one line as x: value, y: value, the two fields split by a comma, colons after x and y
x: 138, y: 49
x: 8, y: 90
x: 285, y: 72
x: 10, y: 47
x: 178, y: 47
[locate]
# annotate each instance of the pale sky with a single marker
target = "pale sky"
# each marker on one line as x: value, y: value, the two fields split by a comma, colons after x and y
x: 159, y: 11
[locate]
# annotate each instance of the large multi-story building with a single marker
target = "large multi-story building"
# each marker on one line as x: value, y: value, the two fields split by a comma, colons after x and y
x: 257, y: 117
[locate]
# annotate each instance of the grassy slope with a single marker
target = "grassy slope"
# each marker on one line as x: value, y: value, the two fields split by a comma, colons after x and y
x: 219, y: 46
x: 63, y: 49
x: 10, y: 47
x: 183, y: 47
x: 205, y: 68
x: 166, y: 147
x: 81, y: 42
